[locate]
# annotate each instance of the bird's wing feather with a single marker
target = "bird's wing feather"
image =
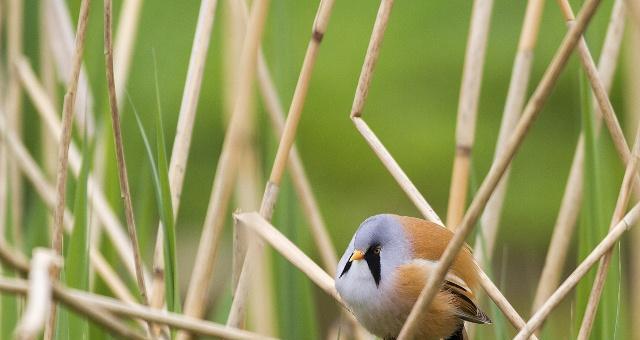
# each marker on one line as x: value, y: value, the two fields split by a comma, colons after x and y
x: 466, y: 308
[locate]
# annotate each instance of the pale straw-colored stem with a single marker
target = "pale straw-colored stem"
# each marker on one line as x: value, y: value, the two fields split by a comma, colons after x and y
x: 226, y: 171
x: 631, y: 72
x: 599, y: 91
x: 122, y: 165
x: 29, y: 167
x: 125, y: 37
x: 61, y: 42
x: 287, y: 138
x: 65, y: 140
x: 570, y: 206
x: 468, y: 108
x: 39, y: 295
x: 299, y: 177
x: 290, y: 251
x: 103, y: 211
x: 531, y: 111
x: 565, y: 288
x: 516, y: 95
x: 603, y: 266
x: 184, y: 131
x: 13, y: 109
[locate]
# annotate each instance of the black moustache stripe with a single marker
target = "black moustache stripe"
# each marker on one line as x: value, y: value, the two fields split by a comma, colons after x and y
x: 346, y: 268
x: 373, y: 261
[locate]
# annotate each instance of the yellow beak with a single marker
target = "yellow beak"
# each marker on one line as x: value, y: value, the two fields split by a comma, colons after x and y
x: 357, y: 255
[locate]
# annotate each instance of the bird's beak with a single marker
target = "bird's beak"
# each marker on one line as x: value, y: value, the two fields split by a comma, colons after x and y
x: 357, y: 255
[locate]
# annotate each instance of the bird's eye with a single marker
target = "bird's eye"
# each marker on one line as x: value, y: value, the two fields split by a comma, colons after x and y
x: 376, y: 250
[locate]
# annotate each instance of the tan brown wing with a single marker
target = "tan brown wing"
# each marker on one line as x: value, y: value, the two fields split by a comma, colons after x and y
x: 429, y: 241
x: 466, y: 308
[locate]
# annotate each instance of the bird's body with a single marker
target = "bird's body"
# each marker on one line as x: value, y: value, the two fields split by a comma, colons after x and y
x: 387, y: 264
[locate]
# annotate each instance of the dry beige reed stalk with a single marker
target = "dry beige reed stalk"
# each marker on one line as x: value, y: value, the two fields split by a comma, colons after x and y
x: 122, y: 165
x: 13, y: 109
x: 270, y: 195
x: 601, y: 275
x: 570, y: 205
x: 19, y: 262
x: 47, y: 193
x: 226, y: 171
x: 468, y: 108
x: 61, y: 42
x: 516, y: 96
x: 39, y: 294
x: 290, y: 251
x: 565, y: 288
x: 184, y: 131
x: 103, y: 211
x: 363, y: 85
x: 125, y: 37
x: 65, y: 140
x: 532, y: 109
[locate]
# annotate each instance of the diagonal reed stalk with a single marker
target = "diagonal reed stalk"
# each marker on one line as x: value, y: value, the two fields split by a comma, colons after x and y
x: 16, y: 260
x: 226, y: 171
x: 65, y: 139
x: 570, y: 206
x: 122, y: 166
x: 125, y: 38
x: 630, y: 219
x: 394, y: 168
x: 103, y: 211
x: 184, y: 130
x: 531, y: 111
x: 603, y: 266
x: 468, y: 108
x: 270, y: 195
x: 516, y: 95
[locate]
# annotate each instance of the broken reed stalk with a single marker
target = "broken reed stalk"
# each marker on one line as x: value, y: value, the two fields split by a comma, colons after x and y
x: 17, y: 261
x: 565, y: 288
x: 65, y: 139
x: 122, y: 165
x: 226, y: 171
x: 395, y: 170
x: 287, y: 138
x: 468, y: 108
x: 103, y: 211
x: 13, y: 106
x: 603, y: 267
x: 360, y: 97
x: 184, y: 131
x: 531, y: 111
x: 570, y: 206
x: 39, y: 295
x: 516, y: 95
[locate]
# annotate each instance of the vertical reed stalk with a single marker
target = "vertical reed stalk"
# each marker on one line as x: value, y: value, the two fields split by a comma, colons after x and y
x: 226, y: 171
x: 531, y: 111
x: 184, y: 130
x: 468, y: 108
x: 516, y: 95
x: 270, y: 195
x: 65, y: 140
x: 569, y: 208
x: 125, y: 37
x: 122, y: 166
x: 13, y: 109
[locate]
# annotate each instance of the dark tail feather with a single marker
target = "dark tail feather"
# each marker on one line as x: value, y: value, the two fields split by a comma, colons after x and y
x: 460, y: 334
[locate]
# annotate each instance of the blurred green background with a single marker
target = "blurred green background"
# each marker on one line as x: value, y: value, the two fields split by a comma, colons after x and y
x: 412, y: 107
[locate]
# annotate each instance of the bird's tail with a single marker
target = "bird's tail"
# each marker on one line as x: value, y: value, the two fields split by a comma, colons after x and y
x: 460, y: 334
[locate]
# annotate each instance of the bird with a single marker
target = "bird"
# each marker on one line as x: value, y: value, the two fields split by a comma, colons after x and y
x: 385, y: 267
